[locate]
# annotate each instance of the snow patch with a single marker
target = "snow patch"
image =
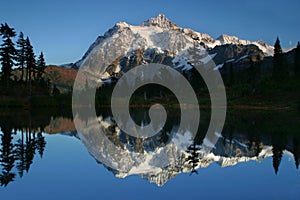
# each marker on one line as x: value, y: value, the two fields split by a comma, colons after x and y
x: 208, y: 58
x: 183, y: 141
x: 218, y: 66
x: 241, y: 58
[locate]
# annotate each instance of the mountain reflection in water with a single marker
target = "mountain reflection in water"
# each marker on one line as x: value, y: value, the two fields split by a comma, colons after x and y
x: 254, y: 137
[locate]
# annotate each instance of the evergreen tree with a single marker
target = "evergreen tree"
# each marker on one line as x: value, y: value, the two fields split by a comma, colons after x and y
x: 193, y: 158
x: 30, y: 60
x: 20, y: 154
x: 279, y: 70
x: 55, y: 91
x: 279, y: 142
x: 41, y: 65
x: 40, y: 143
x: 7, y: 157
x: 7, y: 51
x: 296, y: 152
x: 297, y: 61
x: 277, y: 155
x: 21, y: 44
x: 30, y: 150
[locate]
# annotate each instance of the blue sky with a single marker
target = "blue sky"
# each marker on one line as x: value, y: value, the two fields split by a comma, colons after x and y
x: 64, y: 29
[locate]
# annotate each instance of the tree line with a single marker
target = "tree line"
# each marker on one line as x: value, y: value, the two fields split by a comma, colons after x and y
x: 19, y: 153
x: 280, y: 69
x: 19, y: 55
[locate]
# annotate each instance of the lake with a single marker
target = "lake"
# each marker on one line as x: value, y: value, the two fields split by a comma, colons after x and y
x: 42, y: 156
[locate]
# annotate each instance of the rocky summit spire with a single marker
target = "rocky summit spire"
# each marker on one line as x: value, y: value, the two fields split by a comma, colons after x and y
x: 161, y: 21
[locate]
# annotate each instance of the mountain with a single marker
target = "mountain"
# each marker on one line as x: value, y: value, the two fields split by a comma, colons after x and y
x: 158, y: 162
x: 160, y: 158
x: 161, y: 40
x: 226, y: 39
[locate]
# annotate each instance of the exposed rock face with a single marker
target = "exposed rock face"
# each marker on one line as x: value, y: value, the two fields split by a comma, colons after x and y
x: 59, y: 125
x: 225, y: 53
x: 124, y: 155
x: 160, y: 40
x: 161, y: 21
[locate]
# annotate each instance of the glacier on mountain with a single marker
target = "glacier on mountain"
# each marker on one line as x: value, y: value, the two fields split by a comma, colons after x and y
x: 159, y: 34
x: 164, y: 162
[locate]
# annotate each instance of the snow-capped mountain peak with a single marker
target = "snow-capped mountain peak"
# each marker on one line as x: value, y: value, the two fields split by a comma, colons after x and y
x: 155, y: 34
x: 227, y: 39
x: 161, y: 21
x: 158, y: 164
x: 122, y: 24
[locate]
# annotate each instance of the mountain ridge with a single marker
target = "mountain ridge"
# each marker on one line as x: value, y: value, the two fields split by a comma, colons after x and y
x: 163, y: 163
x: 164, y: 35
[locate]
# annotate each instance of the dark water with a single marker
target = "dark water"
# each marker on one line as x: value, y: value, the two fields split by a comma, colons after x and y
x: 255, y: 157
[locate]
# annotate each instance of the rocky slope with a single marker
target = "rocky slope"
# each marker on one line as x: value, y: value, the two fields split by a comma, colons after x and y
x: 162, y: 41
x: 124, y: 155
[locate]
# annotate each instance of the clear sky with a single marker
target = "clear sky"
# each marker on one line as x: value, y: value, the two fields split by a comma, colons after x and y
x: 64, y: 29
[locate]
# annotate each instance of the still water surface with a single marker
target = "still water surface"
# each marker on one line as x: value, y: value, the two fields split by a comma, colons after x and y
x: 255, y: 157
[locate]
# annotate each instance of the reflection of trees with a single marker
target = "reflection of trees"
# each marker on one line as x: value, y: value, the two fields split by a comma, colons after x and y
x: 30, y: 150
x: 41, y: 143
x: 277, y: 155
x: 258, y: 129
x: 19, y: 154
x: 139, y: 116
x: 279, y: 143
x: 25, y: 149
x: 296, y: 146
x: 21, y: 139
x: 7, y: 156
x: 243, y: 135
x: 193, y: 158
